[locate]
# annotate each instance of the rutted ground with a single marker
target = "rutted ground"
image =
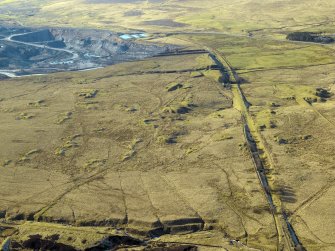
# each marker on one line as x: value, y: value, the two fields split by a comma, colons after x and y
x: 149, y: 154
x: 299, y: 131
x: 287, y: 84
x: 291, y: 101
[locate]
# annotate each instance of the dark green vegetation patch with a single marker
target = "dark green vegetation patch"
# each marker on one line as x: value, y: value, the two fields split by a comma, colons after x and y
x: 309, y: 37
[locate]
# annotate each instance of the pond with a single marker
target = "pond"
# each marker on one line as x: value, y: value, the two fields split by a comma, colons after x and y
x: 133, y: 36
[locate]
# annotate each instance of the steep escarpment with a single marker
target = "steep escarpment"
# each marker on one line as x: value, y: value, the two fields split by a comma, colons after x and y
x: 37, y: 36
x: 96, y: 43
x: 27, y: 51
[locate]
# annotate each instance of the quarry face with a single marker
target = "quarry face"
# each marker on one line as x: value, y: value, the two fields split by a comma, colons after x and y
x: 25, y: 51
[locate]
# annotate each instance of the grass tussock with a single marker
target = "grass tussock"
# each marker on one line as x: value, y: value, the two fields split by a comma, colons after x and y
x: 88, y: 93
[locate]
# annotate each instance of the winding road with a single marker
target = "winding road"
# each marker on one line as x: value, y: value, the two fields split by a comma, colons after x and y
x: 8, y: 73
x: 11, y: 38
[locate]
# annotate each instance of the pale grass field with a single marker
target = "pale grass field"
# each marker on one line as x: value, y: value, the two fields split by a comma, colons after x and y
x: 278, y: 76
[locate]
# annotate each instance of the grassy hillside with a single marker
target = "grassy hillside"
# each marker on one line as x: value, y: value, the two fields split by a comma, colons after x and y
x: 237, y: 17
x: 181, y: 130
x: 146, y: 152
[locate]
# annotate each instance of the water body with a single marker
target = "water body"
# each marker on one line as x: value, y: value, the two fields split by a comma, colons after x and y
x: 133, y: 36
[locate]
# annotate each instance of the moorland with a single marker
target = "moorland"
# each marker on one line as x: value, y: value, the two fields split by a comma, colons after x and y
x: 226, y: 144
